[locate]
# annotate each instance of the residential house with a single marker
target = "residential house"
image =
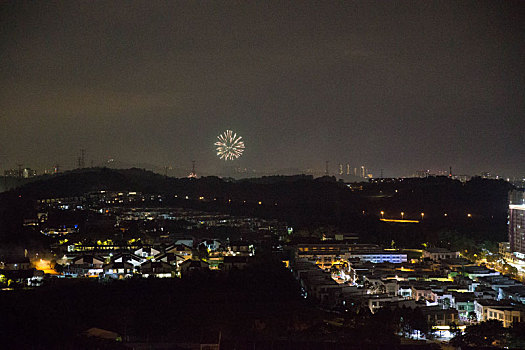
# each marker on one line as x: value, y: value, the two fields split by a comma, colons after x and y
x: 182, y: 250
x: 437, y: 254
x: 170, y: 258
x: 147, y: 252
x: 85, y: 265
x: 158, y: 269
x: 189, y: 267
x: 118, y: 270
x: 130, y: 258
x: 482, y: 305
x: 437, y: 316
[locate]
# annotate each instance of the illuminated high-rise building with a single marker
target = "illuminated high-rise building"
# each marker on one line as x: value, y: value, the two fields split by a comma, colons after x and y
x: 517, y: 221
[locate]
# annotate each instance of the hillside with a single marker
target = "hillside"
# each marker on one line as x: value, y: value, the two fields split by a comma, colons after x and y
x: 301, y: 201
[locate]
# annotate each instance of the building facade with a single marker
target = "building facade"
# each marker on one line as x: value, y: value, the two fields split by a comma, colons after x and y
x: 517, y: 221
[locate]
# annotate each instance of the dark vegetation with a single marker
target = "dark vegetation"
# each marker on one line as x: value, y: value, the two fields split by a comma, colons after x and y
x: 491, y: 334
x: 189, y: 310
x: 251, y: 308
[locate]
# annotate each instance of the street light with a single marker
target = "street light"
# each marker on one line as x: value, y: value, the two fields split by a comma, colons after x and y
x: 402, y: 215
x: 422, y: 216
x: 382, y: 214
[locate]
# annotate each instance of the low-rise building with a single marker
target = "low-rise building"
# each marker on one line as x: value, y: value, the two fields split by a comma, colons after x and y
x: 170, y: 258
x: 159, y: 269
x: 85, y: 265
x: 508, y: 316
x: 437, y: 316
x: 378, y: 301
x: 514, y: 292
x: 405, y: 291
x: 423, y: 291
x: 147, y: 252
x: 482, y: 305
x: 437, y: 254
x: 118, y: 270
x: 464, y: 304
x: 378, y: 256
x: 189, y: 267
x: 130, y: 258
x: 180, y: 249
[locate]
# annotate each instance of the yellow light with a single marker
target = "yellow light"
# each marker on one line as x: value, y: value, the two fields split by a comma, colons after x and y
x: 260, y: 202
x: 44, y: 265
x: 399, y: 220
x: 469, y: 215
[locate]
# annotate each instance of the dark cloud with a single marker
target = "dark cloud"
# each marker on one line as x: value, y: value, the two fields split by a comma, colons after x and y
x: 394, y: 85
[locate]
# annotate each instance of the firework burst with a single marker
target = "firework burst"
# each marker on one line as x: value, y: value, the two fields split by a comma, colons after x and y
x: 229, y: 146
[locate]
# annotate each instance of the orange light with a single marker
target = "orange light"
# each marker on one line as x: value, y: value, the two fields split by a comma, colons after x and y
x: 402, y: 221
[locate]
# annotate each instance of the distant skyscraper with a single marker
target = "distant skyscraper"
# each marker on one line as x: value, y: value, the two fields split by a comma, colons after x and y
x: 517, y: 221
x: 27, y: 173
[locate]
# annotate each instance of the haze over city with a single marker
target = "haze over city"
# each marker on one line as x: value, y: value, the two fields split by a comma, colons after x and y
x: 229, y: 175
x: 399, y: 86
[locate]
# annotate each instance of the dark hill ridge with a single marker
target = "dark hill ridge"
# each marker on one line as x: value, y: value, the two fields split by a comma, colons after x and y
x: 78, y: 182
x: 296, y: 198
x: 301, y: 201
x: 81, y: 181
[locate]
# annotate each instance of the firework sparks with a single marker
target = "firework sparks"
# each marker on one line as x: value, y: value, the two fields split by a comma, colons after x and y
x: 229, y: 146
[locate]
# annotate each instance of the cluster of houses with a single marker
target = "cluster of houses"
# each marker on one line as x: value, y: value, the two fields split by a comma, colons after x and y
x: 19, y: 269
x: 447, y: 288
x: 117, y: 208
x: 142, y: 241
x: 161, y: 261
x: 108, y: 261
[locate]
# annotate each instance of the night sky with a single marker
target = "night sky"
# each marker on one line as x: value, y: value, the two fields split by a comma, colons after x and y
x: 399, y: 86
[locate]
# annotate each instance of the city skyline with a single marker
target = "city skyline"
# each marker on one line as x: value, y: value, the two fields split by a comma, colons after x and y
x: 399, y: 86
